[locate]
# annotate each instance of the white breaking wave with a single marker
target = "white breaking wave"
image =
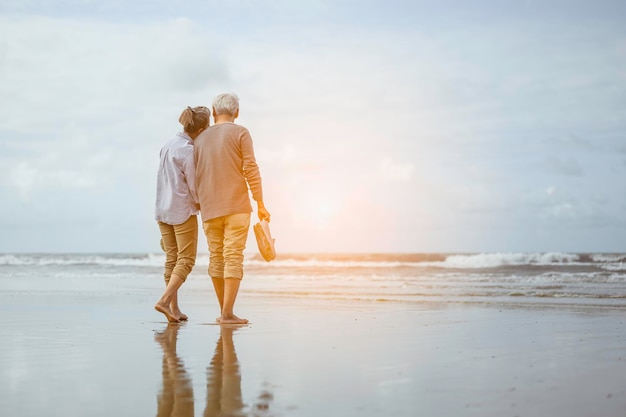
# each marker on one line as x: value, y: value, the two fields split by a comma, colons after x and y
x: 609, y: 258
x: 493, y: 260
x: 617, y: 266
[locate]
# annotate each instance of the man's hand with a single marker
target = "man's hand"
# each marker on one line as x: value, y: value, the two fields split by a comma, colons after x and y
x: 262, y: 212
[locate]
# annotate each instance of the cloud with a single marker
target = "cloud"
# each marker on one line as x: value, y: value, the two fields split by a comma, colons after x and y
x: 564, y: 166
x: 27, y: 178
x: 64, y: 70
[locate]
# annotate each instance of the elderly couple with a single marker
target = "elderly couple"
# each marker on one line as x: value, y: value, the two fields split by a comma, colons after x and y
x: 207, y: 169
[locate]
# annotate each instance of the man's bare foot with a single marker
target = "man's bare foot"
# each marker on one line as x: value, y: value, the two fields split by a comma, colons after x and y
x: 166, y: 311
x: 232, y: 319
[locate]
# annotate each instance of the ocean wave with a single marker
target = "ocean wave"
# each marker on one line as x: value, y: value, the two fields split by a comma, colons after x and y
x: 316, y: 263
x: 615, y: 258
x: 494, y: 260
x: 610, y: 262
x: 157, y: 260
x: 621, y: 266
x: 48, y: 260
x: 453, y: 261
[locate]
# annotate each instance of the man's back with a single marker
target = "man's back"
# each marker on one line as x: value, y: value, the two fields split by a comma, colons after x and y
x: 225, y: 161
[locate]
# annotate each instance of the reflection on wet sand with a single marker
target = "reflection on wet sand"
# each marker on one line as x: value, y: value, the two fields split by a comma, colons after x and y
x: 223, y: 378
x: 224, y: 382
x: 176, y: 396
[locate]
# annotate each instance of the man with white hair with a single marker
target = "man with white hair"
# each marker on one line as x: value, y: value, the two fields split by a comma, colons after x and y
x: 225, y: 169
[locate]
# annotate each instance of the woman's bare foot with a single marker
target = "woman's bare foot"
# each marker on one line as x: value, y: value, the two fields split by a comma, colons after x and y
x: 178, y: 314
x: 161, y: 308
x: 231, y: 319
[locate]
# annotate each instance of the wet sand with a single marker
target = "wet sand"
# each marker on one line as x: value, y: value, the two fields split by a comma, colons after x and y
x: 69, y: 354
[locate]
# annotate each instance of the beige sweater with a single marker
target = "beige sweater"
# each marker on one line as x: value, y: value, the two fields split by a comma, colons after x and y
x: 225, y: 168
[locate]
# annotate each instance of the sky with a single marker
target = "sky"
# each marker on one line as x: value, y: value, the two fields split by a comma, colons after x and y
x: 378, y: 126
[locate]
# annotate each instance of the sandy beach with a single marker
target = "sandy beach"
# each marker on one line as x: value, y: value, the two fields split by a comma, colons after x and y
x: 75, y: 354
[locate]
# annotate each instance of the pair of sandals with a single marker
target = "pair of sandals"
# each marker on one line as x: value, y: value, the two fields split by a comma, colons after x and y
x: 264, y: 240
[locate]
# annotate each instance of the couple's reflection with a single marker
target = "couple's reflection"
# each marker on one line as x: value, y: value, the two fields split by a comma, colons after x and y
x: 223, y: 378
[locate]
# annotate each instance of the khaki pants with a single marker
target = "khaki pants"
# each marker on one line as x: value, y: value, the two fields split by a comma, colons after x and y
x: 180, y: 243
x: 226, y: 237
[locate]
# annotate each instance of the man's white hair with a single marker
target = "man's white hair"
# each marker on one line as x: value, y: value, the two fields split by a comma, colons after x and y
x: 227, y: 103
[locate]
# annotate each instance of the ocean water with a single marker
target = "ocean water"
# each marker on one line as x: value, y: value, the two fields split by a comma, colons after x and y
x: 491, y: 278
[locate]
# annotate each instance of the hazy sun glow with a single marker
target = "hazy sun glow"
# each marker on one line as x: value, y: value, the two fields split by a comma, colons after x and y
x: 317, y: 209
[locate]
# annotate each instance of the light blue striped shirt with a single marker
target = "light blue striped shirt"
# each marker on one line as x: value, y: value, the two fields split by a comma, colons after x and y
x: 176, y: 196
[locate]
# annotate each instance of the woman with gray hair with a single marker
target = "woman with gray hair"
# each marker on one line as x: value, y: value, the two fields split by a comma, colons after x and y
x: 177, y: 208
